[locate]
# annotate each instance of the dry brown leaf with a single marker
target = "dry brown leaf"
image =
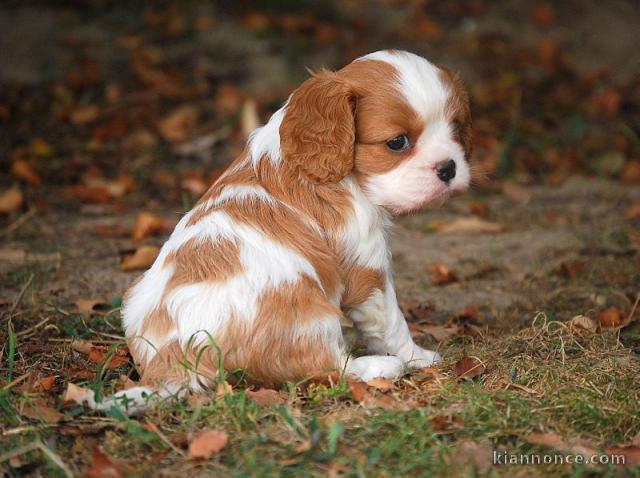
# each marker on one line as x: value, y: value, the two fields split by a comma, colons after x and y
x: 142, y: 258
x: 439, y: 332
x: 572, y: 269
x: 178, y: 126
x: 265, y: 397
x: 84, y: 114
x: 548, y: 439
x: 442, y: 274
x: 480, y: 209
x: 46, y: 384
x: 103, y: 466
x: 10, y: 200
x: 82, y: 346
x: 382, y: 384
x: 39, y: 410
x: 99, y: 354
x: 196, y: 186
x: 90, y: 194
x: 207, y: 443
x: 369, y: 398
x: 470, y: 225
x: 249, y: 119
x: 632, y: 212
x: 582, y: 324
x: 77, y: 394
x: 478, y: 454
x: 148, y: 224
x: 92, y: 306
x: 614, y: 319
x: 441, y: 423
x: 22, y: 169
x: 468, y: 367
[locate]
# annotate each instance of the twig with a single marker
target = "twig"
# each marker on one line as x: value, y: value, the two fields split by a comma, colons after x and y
x: 44, y: 449
x: 21, y: 294
x: 18, y: 222
x: 157, y: 431
x: 27, y: 428
x: 31, y: 329
x: 16, y: 381
x: 633, y: 309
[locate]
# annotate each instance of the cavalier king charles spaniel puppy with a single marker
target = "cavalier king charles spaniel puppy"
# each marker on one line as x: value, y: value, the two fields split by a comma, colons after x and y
x: 293, y: 238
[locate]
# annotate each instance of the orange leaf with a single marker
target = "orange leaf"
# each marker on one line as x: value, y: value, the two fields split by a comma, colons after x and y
x: 441, y: 274
x: 613, y: 318
x: 178, y: 125
x: 103, y: 466
x: 207, y: 443
x: 22, y: 169
x: 142, y: 258
x: 632, y: 212
x: 265, y: 397
x: 100, y: 354
x: 572, y: 269
x: 148, y: 224
x: 10, y: 200
x: 46, y: 384
x: 90, y: 194
x: 468, y: 367
x: 382, y: 384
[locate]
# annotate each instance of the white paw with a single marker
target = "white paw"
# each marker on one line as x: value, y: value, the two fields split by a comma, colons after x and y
x: 421, y: 358
x: 373, y: 366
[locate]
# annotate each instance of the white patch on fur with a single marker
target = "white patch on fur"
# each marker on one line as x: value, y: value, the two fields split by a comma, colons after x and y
x: 374, y: 366
x: 265, y: 141
x: 240, y: 192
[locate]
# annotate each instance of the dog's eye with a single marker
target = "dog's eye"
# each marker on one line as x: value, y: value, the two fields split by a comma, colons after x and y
x: 399, y: 143
x: 455, y: 126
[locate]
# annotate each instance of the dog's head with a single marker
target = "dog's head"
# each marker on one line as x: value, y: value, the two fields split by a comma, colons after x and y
x: 399, y: 124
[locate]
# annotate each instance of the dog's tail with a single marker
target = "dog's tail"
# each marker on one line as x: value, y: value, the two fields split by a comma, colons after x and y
x: 132, y: 401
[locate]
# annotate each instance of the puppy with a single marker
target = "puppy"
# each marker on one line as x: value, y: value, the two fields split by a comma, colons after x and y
x: 293, y: 237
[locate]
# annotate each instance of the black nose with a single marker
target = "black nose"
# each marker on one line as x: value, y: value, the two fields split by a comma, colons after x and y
x: 446, y: 170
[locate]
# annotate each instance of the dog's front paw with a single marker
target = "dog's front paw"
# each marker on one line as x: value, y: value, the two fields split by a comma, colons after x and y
x: 421, y: 358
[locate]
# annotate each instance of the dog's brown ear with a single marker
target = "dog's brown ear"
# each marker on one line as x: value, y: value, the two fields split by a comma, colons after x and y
x: 317, y: 133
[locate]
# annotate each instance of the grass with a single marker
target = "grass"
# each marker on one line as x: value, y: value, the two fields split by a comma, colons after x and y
x: 541, y: 378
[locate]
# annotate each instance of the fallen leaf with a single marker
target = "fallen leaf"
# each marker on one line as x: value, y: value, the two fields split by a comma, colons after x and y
x: 228, y: 99
x: 148, y: 224
x: 46, y: 384
x: 631, y: 454
x: 196, y: 186
x: 630, y: 172
x: 417, y: 311
x: 368, y: 397
x: 442, y: 274
x: 249, y: 119
x: 382, y: 384
x: 102, y: 354
x: 178, y: 125
x: 207, y: 443
x: 542, y: 14
x: 609, y: 101
x: 103, y: 466
x: 77, y: 394
x: 548, y: 439
x: 441, y: 423
x: 42, y: 412
x: 142, y: 258
x: 10, y: 200
x: 90, y: 194
x: 572, y: 269
x: 582, y: 324
x: 439, y: 332
x: 632, y: 212
x: 265, y: 397
x: 22, y: 169
x: 468, y: 367
x: 84, y: 114
x: 479, y: 209
x: 614, y: 319
x: 470, y: 225
x: 477, y: 454
x: 82, y: 346
x: 92, y: 306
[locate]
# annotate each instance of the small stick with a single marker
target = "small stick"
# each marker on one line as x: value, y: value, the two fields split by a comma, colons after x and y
x: 15, y: 382
x: 21, y: 294
x: 30, y: 329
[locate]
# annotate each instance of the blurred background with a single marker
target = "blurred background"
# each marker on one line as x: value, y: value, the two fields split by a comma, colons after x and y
x: 116, y: 116
x: 103, y: 98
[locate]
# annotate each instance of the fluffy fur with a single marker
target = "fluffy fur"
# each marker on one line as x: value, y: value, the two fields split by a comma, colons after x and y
x: 292, y: 239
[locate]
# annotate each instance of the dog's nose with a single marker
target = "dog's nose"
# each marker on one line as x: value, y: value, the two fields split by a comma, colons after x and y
x: 446, y: 170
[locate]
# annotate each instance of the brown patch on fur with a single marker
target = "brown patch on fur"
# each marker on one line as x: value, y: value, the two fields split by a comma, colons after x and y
x: 203, y: 260
x: 458, y: 109
x: 317, y: 133
x: 360, y: 283
x: 271, y: 350
x: 286, y: 227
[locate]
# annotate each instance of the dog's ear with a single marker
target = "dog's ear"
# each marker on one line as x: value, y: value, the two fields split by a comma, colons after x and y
x: 317, y: 133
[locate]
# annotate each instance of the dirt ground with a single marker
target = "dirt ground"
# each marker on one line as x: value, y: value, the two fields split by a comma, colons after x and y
x: 564, y: 238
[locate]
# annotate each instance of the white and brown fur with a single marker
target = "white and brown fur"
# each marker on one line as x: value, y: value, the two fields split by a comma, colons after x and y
x: 293, y: 237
